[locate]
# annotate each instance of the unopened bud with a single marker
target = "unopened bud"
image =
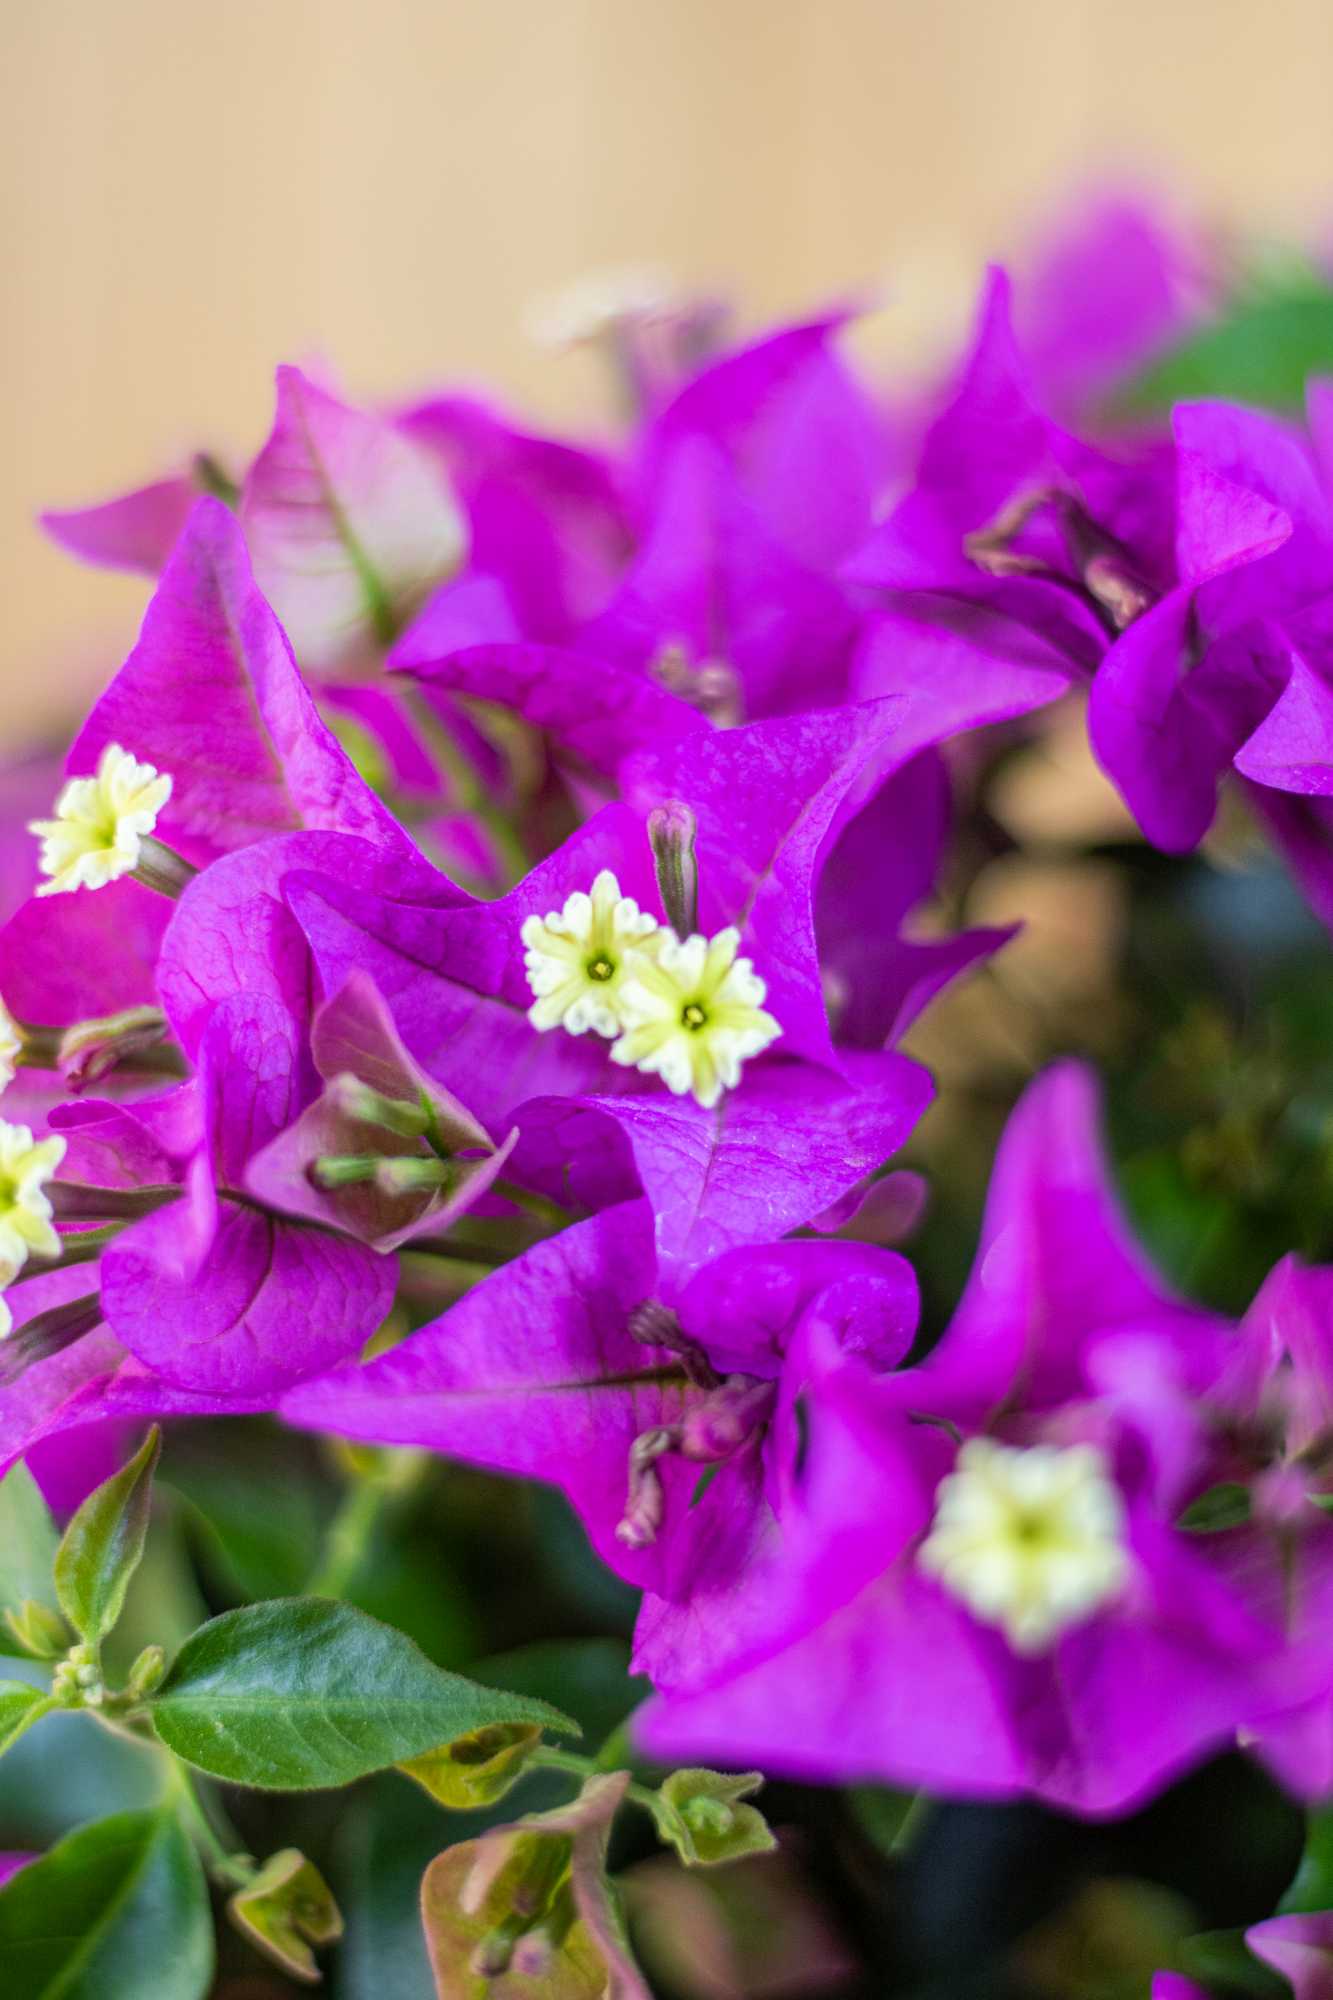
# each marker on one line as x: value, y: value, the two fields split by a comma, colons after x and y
x: 77, y: 1680
x: 412, y: 1175
x: 335, y: 1170
x: 159, y: 867
x: 411, y: 1119
x: 532, y: 1955
x: 135, y: 1035
x: 147, y: 1671
x: 41, y: 1632
x: 671, y: 832
x: 645, y: 1504
x: 49, y: 1332
x: 707, y: 1815
x: 494, y: 1953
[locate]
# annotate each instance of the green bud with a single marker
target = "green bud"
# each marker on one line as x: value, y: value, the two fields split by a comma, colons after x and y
x: 147, y: 1671
x: 335, y: 1170
x: 704, y: 1819
x: 410, y: 1175
x: 41, y: 1632
x: 410, y: 1118
x: 709, y: 1816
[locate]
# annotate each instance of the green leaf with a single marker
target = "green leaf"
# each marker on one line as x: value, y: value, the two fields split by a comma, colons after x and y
x: 1225, y: 1505
x: 1312, y: 1887
x: 1263, y: 353
x: 114, y: 1911
x: 888, y: 1817
x: 102, y: 1545
x: 303, y: 1692
x: 20, y: 1707
x: 286, y: 1908
x: 28, y: 1542
x: 705, y: 1820
x: 1222, y: 1958
x: 477, y: 1769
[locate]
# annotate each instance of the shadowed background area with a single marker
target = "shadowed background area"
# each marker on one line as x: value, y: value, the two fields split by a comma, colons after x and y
x: 191, y: 194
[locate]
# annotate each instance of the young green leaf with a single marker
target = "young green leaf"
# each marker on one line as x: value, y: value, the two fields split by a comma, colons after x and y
x: 285, y: 1909
x: 303, y: 1693
x: 28, y: 1542
x: 20, y: 1707
x: 102, y: 1545
x: 117, y: 1909
x: 477, y: 1769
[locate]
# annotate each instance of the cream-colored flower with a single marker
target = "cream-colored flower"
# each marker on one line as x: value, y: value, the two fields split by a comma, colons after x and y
x: 11, y: 1046
x: 1030, y: 1540
x: 100, y: 822
x: 26, y: 1165
x: 694, y: 1013
x: 577, y: 959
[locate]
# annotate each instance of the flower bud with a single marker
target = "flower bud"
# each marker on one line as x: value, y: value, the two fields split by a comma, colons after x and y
x: 147, y: 1671
x: 366, y: 1106
x: 41, y: 1632
x: 671, y: 833
x: 88, y: 1050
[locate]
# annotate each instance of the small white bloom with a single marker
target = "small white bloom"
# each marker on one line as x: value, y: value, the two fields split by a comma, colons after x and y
x: 100, y: 822
x: 1031, y: 1540
x: 577, y: 959
x: 25, y: 1212
x: 694, y: 1013
x: 11, y: 1046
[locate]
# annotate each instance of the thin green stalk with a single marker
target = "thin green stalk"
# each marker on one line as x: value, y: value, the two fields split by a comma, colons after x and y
x: 348, y: 1538
x: 224, y: 1863
x: 546, y: 1757
x: 538, y: 1206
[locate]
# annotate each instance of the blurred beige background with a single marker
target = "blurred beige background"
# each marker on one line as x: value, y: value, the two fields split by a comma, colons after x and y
x: 190, y: 193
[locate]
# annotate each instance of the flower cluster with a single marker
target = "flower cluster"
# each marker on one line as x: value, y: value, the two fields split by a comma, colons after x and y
x: 504, y: 856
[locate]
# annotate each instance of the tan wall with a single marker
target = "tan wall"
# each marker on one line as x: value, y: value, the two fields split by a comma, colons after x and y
x: 190, y: 192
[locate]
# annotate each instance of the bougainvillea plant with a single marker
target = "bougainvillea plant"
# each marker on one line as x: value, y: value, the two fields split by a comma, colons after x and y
x: 505, y: 1024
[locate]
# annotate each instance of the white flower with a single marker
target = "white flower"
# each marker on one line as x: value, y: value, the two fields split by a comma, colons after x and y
x: 577, y: 959
x: 100, y: 823
x: 1031, y: 1540
x: 25, y: 1212
x: 11, y: 1046
x: 693, y: 1014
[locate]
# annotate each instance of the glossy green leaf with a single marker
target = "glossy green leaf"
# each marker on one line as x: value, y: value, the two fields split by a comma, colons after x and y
x: 115, y: 1911
x: 20, y: 1707
x: 303, y: 1693
x: 28, y: 1543
x: 1264, y: 352
x: 102, y: 1545
x: 476, y: 1769
x: 287, y: 1908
